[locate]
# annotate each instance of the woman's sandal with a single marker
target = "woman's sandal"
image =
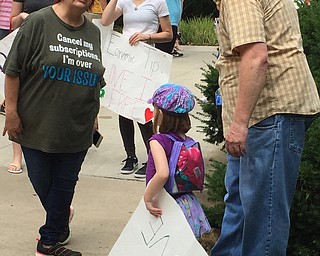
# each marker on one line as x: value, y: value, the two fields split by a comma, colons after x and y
x: 14, y: 168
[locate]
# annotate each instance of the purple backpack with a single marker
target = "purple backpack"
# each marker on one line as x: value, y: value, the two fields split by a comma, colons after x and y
x: 186, y: 167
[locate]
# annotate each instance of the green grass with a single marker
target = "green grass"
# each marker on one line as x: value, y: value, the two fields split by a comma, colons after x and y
x: 198, y: 31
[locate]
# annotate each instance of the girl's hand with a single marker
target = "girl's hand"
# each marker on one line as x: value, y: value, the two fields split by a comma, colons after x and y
x: 136, y: 37
x: 153, y: 210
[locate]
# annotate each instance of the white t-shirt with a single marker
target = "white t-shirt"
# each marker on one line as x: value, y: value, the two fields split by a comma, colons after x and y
x: 143, y: 18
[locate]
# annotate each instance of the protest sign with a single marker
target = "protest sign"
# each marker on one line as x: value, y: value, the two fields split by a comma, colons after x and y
x: 132, y: 74
x: 169, y: 235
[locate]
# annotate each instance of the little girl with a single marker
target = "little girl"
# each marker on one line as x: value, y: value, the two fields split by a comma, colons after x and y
x: 171, y: 103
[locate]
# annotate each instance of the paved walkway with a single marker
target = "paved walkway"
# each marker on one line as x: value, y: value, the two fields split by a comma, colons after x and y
x: 104, y: 199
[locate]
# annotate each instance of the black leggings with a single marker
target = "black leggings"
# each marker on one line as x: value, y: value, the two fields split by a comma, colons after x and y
x: 168, y: 47
x: 127, y: 133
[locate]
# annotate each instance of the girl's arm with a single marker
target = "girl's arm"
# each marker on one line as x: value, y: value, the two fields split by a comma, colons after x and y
x: 158, y: 180
x: 164, y: 36
x: 17, y: 16
x: 110, y: 13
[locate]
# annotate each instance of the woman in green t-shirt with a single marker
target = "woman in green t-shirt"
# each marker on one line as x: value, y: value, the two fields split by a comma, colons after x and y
x: 54, y: 75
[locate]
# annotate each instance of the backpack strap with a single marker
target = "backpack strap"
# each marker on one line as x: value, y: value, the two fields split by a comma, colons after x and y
x: 175, y: 152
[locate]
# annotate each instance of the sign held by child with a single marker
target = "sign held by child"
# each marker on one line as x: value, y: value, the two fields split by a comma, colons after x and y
x: 147, y: 235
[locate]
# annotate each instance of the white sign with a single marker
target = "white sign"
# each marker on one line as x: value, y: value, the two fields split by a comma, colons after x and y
x: 132, y: 74
x: 146, y: 235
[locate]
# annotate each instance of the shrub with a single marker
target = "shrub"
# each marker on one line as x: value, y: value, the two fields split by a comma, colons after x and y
x: 209, y: 116
x: 198, y: 31
x: 310, y: 28
x: 216, y: 192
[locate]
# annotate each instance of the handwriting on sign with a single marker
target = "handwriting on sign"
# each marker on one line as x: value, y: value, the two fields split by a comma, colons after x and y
x: 132, y: 74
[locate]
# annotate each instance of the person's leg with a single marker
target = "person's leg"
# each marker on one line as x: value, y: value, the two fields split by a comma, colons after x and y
x: 16, y: 165
x: 127, y: 134
x: 277, y: 143
x: 229, y: 241
x: 54, y: 177
x: 146, y: 132
x: 267, y: 180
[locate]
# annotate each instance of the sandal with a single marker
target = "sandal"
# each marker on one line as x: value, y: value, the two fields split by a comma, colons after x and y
x: 14, y: 168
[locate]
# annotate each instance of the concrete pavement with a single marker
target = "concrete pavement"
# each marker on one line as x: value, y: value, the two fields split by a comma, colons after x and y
x: 104, y: 199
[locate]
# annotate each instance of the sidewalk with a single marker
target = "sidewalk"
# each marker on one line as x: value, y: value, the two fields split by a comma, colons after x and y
x: 104, y: 198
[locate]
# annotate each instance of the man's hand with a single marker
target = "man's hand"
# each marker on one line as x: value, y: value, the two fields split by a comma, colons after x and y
x: 236, y: 139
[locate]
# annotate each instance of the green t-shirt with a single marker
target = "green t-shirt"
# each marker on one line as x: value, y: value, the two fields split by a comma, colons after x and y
x: 61, y: 74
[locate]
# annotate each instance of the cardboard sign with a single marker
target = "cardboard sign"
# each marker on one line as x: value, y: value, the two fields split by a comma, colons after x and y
x: 132, y: 74
x: 169, y: 235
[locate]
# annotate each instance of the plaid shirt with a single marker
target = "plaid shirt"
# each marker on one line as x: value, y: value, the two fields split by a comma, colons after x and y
x: 289, y: 87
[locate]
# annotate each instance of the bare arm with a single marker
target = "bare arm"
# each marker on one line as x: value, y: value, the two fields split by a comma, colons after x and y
x: 164, y: 36
x: 110, y: 13
x: 252, y: 77
x: 103, y: 4
x: 12, y: 123
x: 17, y: 16
x: 158, y: 180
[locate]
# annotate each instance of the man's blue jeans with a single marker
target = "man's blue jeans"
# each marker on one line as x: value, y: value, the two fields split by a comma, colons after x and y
x: 260, y: 188
x: 54, y: 177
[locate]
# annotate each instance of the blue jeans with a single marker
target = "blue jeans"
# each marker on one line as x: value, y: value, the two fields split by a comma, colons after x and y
x: 260, y: 188
x: 54, y: 177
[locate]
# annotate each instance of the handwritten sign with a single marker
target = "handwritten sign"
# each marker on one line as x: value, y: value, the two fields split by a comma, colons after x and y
x: 132, y: 74
x: 170, y: 235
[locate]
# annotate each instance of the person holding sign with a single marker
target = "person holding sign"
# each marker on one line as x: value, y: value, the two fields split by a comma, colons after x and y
x: 141, y: 20
x: 172, y: 103
x: 54, y: 74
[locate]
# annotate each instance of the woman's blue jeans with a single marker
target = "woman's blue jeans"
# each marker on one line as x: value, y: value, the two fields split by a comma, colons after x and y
x: 260, y: 188
x: 54, y: 177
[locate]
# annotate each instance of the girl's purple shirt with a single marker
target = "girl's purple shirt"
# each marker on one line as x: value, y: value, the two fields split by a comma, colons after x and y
x: 167, y: 145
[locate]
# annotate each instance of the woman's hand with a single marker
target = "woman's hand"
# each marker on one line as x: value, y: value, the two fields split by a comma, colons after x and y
x: 13, y: 125
x: 136, y: 37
